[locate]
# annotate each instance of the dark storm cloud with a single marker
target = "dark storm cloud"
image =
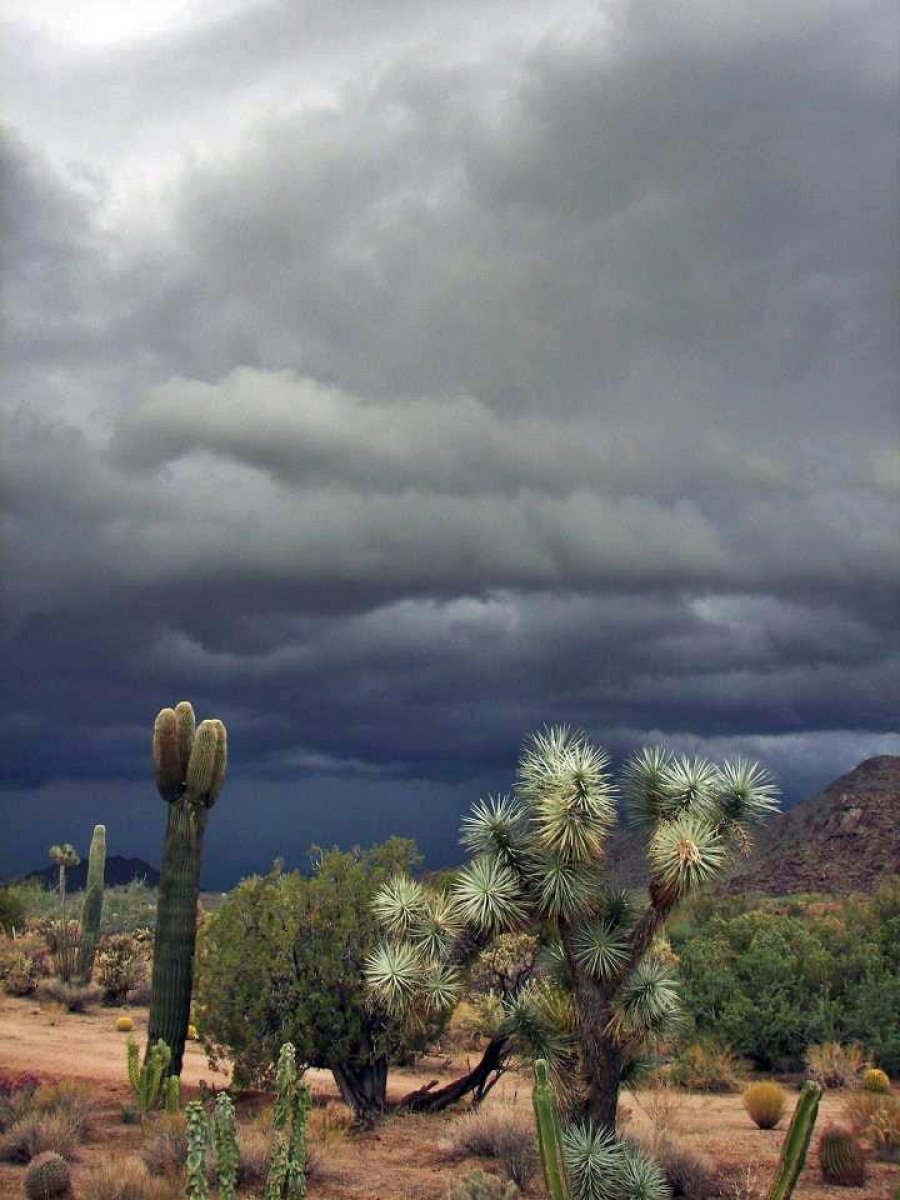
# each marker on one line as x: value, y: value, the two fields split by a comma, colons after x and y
x: 553, y: 380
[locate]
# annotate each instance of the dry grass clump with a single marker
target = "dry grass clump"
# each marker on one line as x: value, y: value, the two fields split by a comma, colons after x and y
x: 689, y: 1172
x: 164, y: 1151
x: 254, y: 1155
x: 661, y: 1104
x: 875, y: 1117
x: 329, y: 1120
x: 499, y: 1133
x: 72, y: 1099
x: 835, y: 1066
x: 35, y: 1132
x: 707, y: 1066
x: 765, y: 1101
x: 125, y: 1179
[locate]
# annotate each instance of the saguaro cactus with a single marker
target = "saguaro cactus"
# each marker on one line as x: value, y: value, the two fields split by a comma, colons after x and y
x: 189, y: 763
x: 93, y: 904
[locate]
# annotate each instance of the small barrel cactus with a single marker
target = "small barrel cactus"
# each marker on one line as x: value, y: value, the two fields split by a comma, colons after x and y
x: 765, y: 1101
x: 841, y: 1157
x: 479, y: 1185
x: 192, y: 1033
x: 47, y: 1177
x: 875, y: 1080
x: 124, y: 1024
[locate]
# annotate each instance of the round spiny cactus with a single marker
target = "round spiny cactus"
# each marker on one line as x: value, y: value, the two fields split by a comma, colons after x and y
x: 124, y: 1024
x: 875, y: 1080
x: 47, y: 1176
x: 841, y: 1157
x: 765, y: 1102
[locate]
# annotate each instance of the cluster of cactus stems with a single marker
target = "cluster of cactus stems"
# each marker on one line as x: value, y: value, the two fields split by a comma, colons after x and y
x: 197, y: 1140
x: 92, y: 910
x: 224, y: 1137
x: 149, y: 1082
x: 189, y: 763
x: 549, y: 1133
x: 287, y: 1173
x: 841, y: 1157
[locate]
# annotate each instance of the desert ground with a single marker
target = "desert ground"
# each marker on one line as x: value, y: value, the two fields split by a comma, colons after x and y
x: 405, y: 1157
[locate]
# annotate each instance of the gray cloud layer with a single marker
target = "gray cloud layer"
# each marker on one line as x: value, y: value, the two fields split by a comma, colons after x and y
x: 498, y: 379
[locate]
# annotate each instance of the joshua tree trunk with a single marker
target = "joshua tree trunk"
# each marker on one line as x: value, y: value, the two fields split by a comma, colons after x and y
x: 363, y: 1087
x: 600, y: 1056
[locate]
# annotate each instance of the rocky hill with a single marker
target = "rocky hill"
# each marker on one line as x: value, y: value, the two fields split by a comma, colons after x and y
x: 845, y: 839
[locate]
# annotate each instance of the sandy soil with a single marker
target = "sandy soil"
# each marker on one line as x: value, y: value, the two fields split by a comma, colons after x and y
x: 404, y: 1158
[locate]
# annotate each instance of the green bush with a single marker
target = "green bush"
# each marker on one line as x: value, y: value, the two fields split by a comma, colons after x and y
x: 281, y: 960
x: 12, y: 910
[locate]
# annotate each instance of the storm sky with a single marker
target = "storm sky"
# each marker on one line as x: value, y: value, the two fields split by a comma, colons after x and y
x: 391, y: 379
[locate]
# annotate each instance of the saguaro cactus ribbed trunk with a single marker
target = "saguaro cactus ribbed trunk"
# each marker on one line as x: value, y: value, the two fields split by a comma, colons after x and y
x: 92, y: 910
x: 189, y: 764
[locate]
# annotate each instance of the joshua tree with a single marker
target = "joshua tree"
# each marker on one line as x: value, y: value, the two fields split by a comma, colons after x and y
x: 189, y: 763
x: 65, y: 856
x: 538, y: 865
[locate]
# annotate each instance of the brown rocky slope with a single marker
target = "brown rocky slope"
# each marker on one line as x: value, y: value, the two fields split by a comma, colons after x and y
x: 845, y: 839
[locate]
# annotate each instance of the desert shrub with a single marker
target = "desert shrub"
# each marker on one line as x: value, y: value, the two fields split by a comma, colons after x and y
x: 479, y: 1185
x: 74, y: 997
x: 63, y: 938
x: 165, y: 1147
x: 499, y: 1133
x: 120, y: 966
x: 254, y: 1145
x: 765, y: 1102
x: 688, y: 1172
x: 705, y: 1066
x: 281, y: 960
x: 875, y: 1117
x: 21, y: 976
x: 35, y: 1132
x: 70, y: 1098
x: 12, y: 910
x: 124, y: 1179
x: 130, y: 908
x: 835, y: 1066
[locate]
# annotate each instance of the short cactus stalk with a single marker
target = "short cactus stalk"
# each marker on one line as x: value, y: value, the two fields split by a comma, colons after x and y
x: 549, y: 1134
x: 287, y: 1172
x: 796, y: 1142
x: 841, y: 1157
x: 225, y: 1144
x: 147, y: 1079
x: 93, y: 905
x: 47, y: 1177
x: 189, y: 766
x: 197, y: 1137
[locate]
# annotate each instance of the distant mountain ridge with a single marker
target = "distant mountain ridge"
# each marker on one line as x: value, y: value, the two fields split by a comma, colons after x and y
x: 844, y: 839
x: 119, y: 871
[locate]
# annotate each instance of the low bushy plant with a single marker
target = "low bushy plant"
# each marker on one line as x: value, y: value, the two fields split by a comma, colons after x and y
x: 765, y: 1102
x: 72, y: 1099
x: 74, y: 997
x: 500, y: 1133
x: 706, y: 1066
x: 254, y: 1145
x: 125, y: 1179
x: 165, y: 1147
x: 35, y: 1132
x: 875, y: 1117
x: 21, y: 976
x: 479, y: 1185
x: 12, y: 910
x: 835, y: 1066
x: 688, y: 1172
x: 120, y: 967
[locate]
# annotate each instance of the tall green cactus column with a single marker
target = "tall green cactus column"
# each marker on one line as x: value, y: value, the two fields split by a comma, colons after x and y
x: 92, y: 910
x: 549, y: 1136
x: 189, y: 764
